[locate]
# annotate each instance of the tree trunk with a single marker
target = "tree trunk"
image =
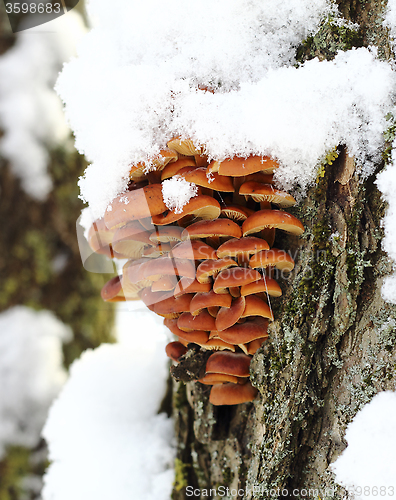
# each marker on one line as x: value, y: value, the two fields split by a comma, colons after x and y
x: 331, y: 346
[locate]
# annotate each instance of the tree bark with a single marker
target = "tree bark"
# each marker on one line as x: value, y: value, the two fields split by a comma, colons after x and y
x: 331, y: 346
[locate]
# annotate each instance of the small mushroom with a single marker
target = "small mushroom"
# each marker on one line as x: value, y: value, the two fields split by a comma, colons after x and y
x: 272, y: 219
x: 266, y: 192
x: 274, y: 257
x: 232, y: 394
x: 202, y: 321
x: 175, y: 350
x: 202, y: 301
x: 209, y: 268
x: 234, y: 277
x: 239, y: 167
x: 201, y: 206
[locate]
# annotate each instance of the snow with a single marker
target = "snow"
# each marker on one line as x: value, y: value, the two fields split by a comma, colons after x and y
x: 177, y: 192
x: 262, y: 103
x: 31, y: 114
x: 370, y: 457
x: 386, y: 182
x: 105, y: 436
x: 31, y: 372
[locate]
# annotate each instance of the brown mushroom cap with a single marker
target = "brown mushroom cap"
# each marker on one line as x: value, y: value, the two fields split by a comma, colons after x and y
x: 209, y: 268
x: 272, y: 219
x: 209, y: 299
x: 184, y: 146
x: 157, y: 163
x: 232, y: 394
x: 229, y: 363
x: 188, y: 285
x: 203, y: 321
x: 255, y: 306
x: 131, y: 240
x: 194, y: 250
x: 156, y: 250
x: 134, y: 205
x: 218, y: 378
x: 175, y: 350
x: 99, y: 237
x: 239, y: 167
x: 112, y: 290
x: 252, y: 346
x: 217, y: 344
x: 236, y: 276
x: 265, y: 284
x: 217, y: 227
x: 172, y: 307
x: 164, y: 284
x: 274, y: 257
x: 195, y: 337
x: 227, y: 317
x: 216, y: 182
x: 173, y: 168
x: 159, y: 267
x: 166, y: 234
x: 242, y: 333
x: 236, y: 212
x: 150, y: 298
x: 241, y: 247
x: 201, y: 206
x: 266, y: 192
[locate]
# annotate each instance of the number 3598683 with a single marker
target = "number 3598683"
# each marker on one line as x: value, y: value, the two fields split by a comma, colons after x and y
x: 33, y: 8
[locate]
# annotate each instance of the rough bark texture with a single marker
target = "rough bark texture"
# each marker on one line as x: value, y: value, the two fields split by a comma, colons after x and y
x: 332, y: 345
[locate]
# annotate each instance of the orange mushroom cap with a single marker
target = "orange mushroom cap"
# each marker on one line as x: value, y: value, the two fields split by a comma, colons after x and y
x: 217, y: 227
x: 239, y: 167
x: 209, y: 268
x: 133, y: 205
x: 266, y: 192
x: 99, y: 237
x: 272, y: 219
x: 255, y: 306
x: 173, y: 168
x: 227, y: 317
x: 274, y: 257
x: 112, y: 290
x: 230, y: 363
x: 216, y: 182
x: 245, y: 246
x: 189, y: 285
x: 172, y: 307
x: 184, y: 146
x: 175, y: 350
x: 202, y: 321
x: 194, y: 250
x: 204, y: 207
x: 242, y: 333
x: 236, y: 276
x: 236, y: 212
x: 157, y: 163
x: 208, y: 299
x: 232, y: 394
x: 265, y: 284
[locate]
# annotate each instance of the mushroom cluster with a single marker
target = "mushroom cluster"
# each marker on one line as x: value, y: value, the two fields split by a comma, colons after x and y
x: 207, y: 268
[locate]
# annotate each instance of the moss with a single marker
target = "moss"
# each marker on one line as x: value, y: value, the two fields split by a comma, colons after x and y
x: 328, y: 40
x: 228, y: 476
x: 14, y: 468
x: 180, y: 396
x: 181, y: 475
